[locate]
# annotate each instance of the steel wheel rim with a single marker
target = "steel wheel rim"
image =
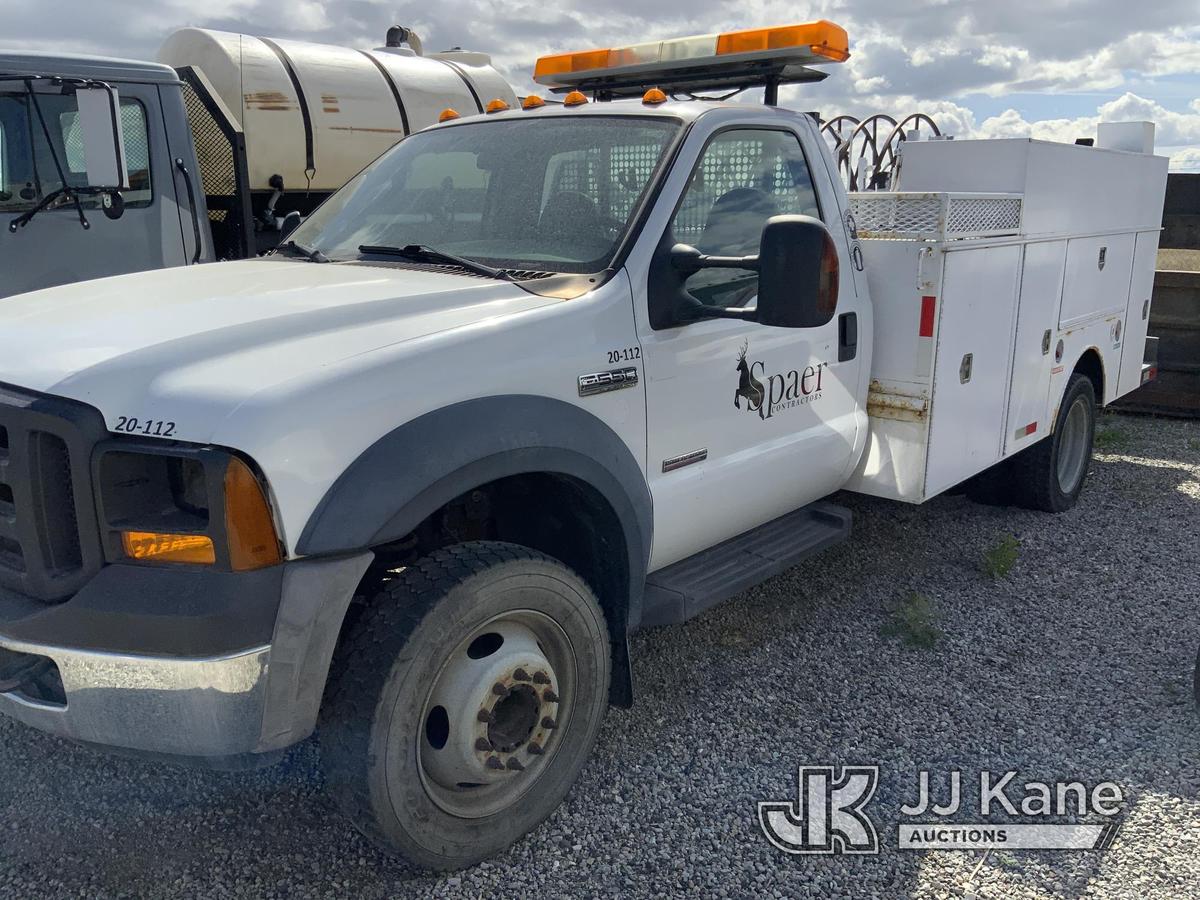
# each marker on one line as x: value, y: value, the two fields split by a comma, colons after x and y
x: 1072, y: 448
x: 527, y: 685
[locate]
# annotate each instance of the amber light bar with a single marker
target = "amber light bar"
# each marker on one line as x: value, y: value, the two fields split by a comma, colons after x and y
x: 804, y: 44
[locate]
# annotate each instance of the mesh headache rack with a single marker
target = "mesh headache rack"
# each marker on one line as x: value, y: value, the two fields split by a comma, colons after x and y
x: 882, y: 215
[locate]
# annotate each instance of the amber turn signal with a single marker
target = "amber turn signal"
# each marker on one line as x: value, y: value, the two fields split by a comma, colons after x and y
x: 249, y: 525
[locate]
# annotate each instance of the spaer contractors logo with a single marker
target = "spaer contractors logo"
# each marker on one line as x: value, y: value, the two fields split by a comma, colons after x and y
x: 782, y: 390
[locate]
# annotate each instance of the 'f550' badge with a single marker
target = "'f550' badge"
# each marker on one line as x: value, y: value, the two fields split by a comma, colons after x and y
x: 602, y: 382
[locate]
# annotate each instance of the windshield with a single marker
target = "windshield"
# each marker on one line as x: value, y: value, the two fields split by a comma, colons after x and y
x: 544, y: 194
x: 27, y: 170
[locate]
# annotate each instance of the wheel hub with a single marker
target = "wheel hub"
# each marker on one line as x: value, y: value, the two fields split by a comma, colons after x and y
x: 492, y: 719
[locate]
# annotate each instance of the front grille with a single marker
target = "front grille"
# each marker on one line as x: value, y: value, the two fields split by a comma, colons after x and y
x: 49, y: 539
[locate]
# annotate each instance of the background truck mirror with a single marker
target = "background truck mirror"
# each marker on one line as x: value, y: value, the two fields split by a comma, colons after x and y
x: 103, y: 137
x: 797, y: 273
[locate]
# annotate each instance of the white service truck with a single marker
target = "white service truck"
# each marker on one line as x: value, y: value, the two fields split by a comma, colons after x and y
x: 414, y: 485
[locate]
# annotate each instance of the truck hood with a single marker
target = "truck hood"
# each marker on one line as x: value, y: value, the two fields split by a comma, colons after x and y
x: 204, y: 338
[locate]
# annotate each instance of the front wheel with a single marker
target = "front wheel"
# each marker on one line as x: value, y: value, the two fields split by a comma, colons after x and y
x: 464, y: 702
x: 1050, y: 475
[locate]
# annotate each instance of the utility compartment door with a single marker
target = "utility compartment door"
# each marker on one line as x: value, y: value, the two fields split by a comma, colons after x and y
x: 1033, y: 350
x: 1137, y: 319
x: 1097, y: 279
x: 971, y: 369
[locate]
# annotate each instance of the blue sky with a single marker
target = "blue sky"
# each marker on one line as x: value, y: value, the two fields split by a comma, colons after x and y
x: 1042, y: 68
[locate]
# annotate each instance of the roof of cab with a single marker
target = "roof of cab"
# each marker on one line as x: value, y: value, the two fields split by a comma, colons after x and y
x: 77, y: 65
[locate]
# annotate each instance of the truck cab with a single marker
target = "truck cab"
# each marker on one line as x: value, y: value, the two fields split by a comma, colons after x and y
x: 42, y: 150
x: 532, y: 380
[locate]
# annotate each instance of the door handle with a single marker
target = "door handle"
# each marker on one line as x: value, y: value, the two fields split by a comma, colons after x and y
x: 847, y: 336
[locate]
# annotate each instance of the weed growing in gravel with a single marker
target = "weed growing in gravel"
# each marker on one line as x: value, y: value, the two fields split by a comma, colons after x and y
x: 913, y: 622
x: 999, y: 559
x: 1111, y: 438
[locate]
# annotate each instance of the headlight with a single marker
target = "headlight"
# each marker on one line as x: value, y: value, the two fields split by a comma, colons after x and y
x: 178, y: 505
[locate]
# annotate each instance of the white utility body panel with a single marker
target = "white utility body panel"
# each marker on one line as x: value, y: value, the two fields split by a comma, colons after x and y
x: 997, y: 265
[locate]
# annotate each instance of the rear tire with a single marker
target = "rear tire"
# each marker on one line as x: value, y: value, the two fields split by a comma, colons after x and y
x: 1050, y: 475
x: 464, y: 702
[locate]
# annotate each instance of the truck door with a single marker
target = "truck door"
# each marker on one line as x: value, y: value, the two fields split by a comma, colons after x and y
x: 54, y: 248
x: 746, y: 422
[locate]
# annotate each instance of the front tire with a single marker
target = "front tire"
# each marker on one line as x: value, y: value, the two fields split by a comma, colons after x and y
x: 464, y: 702
x: 1050, y: 475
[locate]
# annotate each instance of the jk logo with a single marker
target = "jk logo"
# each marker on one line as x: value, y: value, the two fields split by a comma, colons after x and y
x: 827, y: 816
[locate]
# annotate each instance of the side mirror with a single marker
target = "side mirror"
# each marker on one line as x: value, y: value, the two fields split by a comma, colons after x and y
x: 103, y: 138
x: 797, y: 273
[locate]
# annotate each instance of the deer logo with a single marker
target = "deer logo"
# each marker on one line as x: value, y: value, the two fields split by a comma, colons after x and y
x: 748, y: 386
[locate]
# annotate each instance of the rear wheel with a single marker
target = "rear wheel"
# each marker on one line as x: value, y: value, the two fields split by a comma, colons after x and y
x: 1050, y: 475
x: 465, y: 701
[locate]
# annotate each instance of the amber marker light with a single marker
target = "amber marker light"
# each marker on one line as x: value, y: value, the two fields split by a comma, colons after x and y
x: 249, y: 525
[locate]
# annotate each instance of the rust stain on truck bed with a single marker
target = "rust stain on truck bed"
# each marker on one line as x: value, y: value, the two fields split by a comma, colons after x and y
x: 888, y: 403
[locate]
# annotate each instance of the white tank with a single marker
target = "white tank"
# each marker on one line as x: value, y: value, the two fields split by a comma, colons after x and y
x: 317, y: 113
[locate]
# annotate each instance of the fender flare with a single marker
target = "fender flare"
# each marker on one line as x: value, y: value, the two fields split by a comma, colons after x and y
x: 417, y: 468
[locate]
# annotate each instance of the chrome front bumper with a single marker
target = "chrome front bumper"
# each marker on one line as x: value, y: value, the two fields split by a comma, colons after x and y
x: 209, y: 707
x: 246, y: 701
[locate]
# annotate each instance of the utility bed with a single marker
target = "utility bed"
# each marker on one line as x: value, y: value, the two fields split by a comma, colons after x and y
x: 983, y: 287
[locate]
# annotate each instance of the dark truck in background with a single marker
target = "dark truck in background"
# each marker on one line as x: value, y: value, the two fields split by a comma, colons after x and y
x: 221, y: 153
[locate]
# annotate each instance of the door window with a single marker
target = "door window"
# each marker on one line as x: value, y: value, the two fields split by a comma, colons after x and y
x: 27, y: 169
x: 745, y: 177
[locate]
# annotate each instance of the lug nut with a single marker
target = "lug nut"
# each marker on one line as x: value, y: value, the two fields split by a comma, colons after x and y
x: 515, y: 765
x: 549, y: 696
x: 488, y: 718
x: 520, y: 675
x: 483, y: 744
x: 535, y: 749
x: 541, y: 678
x: 548, y: 722
x: 499, y: 690
x: 493, y: 762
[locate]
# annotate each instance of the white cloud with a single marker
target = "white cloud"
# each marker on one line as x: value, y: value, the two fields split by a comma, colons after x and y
x: 906, y: 56
x: 1186, y: 160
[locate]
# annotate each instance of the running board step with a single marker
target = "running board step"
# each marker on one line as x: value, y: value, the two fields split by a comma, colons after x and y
x: 693, y: 585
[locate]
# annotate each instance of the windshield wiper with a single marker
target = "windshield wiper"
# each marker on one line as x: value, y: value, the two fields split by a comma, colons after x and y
x: 312, y: 254
x: 422, y: 253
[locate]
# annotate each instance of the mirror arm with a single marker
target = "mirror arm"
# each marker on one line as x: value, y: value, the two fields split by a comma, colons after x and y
x: 728, y: 262
x: 688, y: 260
x: 692, y: 310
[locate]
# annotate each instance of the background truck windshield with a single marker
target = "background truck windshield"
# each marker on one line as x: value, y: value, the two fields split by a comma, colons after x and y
x: 554, y: 195
x: 27, y: 170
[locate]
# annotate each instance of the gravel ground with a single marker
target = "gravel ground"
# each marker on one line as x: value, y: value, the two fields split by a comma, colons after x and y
x: 1077, y: 664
